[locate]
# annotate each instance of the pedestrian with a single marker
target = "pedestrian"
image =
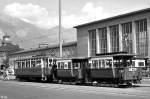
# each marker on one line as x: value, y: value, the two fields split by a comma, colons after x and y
x: 5, y: 74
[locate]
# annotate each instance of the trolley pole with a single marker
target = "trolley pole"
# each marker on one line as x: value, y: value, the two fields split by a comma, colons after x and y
x: 60, y: 42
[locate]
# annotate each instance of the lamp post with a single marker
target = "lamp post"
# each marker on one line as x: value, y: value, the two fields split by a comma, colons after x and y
x: 60, y: 42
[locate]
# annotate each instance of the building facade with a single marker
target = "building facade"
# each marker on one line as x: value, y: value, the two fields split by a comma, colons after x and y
x: 68, y: 50
x: 128, y: 32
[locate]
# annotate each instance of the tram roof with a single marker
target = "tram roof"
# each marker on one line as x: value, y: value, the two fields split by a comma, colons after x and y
x: 34, y: 57
x: 67, y: 58
x: 116, y: 54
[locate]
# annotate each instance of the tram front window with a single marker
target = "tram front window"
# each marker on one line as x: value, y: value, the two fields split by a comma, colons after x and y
x: 141, y: 64
x: 76, y: 65
x: 122, y: 63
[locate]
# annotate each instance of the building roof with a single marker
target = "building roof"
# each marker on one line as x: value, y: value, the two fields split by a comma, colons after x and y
x: 114, y: 17
x: 48, y: 47
x: 9, y: 47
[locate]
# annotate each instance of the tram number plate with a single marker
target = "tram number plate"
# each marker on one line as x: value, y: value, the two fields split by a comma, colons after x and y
x: 132, y: 69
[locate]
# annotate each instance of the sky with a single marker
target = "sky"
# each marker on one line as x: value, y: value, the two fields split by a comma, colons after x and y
x: 44, y: 13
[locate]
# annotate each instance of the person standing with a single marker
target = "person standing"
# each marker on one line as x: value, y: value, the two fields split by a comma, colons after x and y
x: 6, y: 74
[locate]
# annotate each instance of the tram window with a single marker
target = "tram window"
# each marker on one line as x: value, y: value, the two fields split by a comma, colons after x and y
x: 65, y: 65
x: 27, y: 63
x: 46, y: 63
x: 75, y: 65
x: 79, y: 65
x: 23, y: 64
x: 108, y: 63
x: 141, y: 64
x: 69, y: 65
x: 128, y: 63
x: 103, y: 64
x: 59, y: 65
x: 16, y: 65
x: 54, y: 61
x: 100, y: 63
x: 50, y: 63
x: 89, y: 66
x: 38, y: 63
x: 62, y: 65
x: 116, y: 63
x: 32, y: 63
x: 19, y: 64
x: 133, y: 63
x: 95, y: 64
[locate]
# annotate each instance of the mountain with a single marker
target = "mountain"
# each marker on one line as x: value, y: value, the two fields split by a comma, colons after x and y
x: 29, y: 36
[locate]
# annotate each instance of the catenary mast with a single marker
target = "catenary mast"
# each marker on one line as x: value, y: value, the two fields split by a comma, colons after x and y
x: 60, y: 38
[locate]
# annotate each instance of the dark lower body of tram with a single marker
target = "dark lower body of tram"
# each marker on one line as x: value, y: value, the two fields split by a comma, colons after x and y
x: 69, y: 75
x: 37, y: 74
x: 119, y: 76
x: 116, y: 76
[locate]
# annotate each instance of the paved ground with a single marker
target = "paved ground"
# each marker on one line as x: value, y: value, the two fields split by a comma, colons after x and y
x: 33, y: 90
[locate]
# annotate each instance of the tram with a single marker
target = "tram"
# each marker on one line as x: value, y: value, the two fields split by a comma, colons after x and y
x: 115, y: 68
x: 34, y: 68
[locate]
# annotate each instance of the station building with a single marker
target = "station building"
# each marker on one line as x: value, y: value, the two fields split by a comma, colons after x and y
x: 128, y: 32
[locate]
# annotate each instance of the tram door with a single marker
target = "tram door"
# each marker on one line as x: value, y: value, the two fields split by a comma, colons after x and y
x: 45, y: 67
x: 79, y: 65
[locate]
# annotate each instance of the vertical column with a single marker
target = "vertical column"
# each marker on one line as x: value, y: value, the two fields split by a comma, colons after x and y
x: 134, y: 37
x: 88, y: 39
x: 97, y: 42
x: 108, y: 40
x: 148, y: 36
x: 120, y: 38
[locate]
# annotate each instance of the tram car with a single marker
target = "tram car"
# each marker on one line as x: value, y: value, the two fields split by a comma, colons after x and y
x: 35, y: 68
x: 117, y: 69
x: 71, y: 69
